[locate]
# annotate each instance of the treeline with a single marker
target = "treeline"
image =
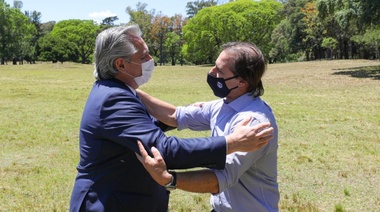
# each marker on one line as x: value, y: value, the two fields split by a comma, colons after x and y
x: 293, y: 30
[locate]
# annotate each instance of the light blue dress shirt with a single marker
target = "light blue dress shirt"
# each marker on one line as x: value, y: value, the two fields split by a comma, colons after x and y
x: 249, y: 180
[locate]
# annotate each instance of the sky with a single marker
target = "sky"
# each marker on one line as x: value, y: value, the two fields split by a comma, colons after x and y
x: 57, y: 10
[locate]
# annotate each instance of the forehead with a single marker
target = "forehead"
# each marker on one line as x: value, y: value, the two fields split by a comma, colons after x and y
x: 225, y: 60
x: 140, y: 45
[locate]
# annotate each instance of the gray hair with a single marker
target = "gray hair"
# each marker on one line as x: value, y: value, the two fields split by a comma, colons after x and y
x: 111, y: 44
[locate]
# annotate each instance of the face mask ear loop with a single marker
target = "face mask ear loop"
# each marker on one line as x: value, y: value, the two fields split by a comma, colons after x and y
x: 233, y: 88
x: 127, y: 72
x: 233, y: 77
x: 130, y: 75
x: 236, y: 76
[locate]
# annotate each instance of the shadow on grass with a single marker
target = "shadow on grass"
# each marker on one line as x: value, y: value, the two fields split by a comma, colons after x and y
x: 361, y: 72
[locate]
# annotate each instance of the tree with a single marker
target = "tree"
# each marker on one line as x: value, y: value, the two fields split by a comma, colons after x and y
x: 159, y: 32
x: 5, y: 31
x: 200, y: 38
x: 351, y: 23
x: 172, y: 47
x: 341, y: 22
x: 167, y: 34
x: 194, y: 7
x: 314, y: 29
x: 16, y: 33
x: 371, y: 40
x: 81, y: 34
x: 281, y: 40
x: 142, y: 17
x: 47, y: 27
x: 22, y: 34
x: 288, y: 36
x: 330, y: 44
x: 17, y: 4
x: 108, y: 22
x: 370, y: 12
x: 160, y: 28
x: 54, y: 48
x: 35, y: 19
x: 243, y: 20
x: 176, y: 42
x: 262, y: 18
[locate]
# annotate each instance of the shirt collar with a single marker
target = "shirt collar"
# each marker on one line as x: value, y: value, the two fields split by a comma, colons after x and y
x: 133, y: 90
x: 241, y: 102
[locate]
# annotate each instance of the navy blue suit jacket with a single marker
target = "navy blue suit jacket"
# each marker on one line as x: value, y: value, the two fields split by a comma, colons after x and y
x: 110, y: 177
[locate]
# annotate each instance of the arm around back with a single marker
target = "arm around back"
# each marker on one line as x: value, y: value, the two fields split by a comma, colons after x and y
x: 161, y: 110
x: 200, y: 181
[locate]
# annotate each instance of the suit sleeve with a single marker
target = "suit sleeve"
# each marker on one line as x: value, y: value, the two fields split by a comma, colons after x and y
x: 125, y: 120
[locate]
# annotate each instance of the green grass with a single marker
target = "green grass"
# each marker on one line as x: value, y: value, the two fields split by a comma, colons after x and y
x: 328, y: 114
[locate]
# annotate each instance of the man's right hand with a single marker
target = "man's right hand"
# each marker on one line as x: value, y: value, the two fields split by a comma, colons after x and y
x: 155, y: 165
x: 246, y: 138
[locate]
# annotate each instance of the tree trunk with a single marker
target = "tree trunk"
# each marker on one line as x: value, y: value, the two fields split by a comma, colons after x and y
x: 307, y: 55
x: 346, y: 50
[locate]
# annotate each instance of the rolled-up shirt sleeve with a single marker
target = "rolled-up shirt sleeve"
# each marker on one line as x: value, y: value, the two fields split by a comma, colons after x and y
x: 196, y: 118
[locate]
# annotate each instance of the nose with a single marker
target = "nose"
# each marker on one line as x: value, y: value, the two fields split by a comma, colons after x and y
x: 148, y: 57
x: 212, y: 71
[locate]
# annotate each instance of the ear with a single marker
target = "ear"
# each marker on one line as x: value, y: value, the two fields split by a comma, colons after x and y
x: 242, y: 83
x: 120, y: 64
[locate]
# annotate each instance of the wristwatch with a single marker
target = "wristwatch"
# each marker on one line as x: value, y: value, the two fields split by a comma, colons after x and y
x: 173, y: 184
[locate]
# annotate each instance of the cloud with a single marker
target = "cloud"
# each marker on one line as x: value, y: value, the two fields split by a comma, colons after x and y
x: 99, y: 16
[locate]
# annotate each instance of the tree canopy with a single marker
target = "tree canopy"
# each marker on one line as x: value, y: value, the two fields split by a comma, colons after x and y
x: 244, y: 20
x: 16, y: 33
x: 81, y: 35
x: 288, y: 30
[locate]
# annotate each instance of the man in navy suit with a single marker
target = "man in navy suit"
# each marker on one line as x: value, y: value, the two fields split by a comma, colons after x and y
x: 110, y: 177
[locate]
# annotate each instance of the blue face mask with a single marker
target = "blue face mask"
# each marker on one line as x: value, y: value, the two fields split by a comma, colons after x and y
x: 218, y: 85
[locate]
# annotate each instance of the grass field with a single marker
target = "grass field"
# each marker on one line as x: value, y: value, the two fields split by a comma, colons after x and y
x: 328, y: 114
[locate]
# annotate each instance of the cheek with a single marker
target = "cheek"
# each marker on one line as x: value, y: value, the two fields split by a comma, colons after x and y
x: 140, y: 71
x: 232, y: 83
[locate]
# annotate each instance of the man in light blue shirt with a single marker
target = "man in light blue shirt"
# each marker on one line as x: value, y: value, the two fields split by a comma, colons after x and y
x: 249, y: 180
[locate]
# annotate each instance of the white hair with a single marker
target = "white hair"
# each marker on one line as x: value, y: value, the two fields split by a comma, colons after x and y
x: 111, y: 44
